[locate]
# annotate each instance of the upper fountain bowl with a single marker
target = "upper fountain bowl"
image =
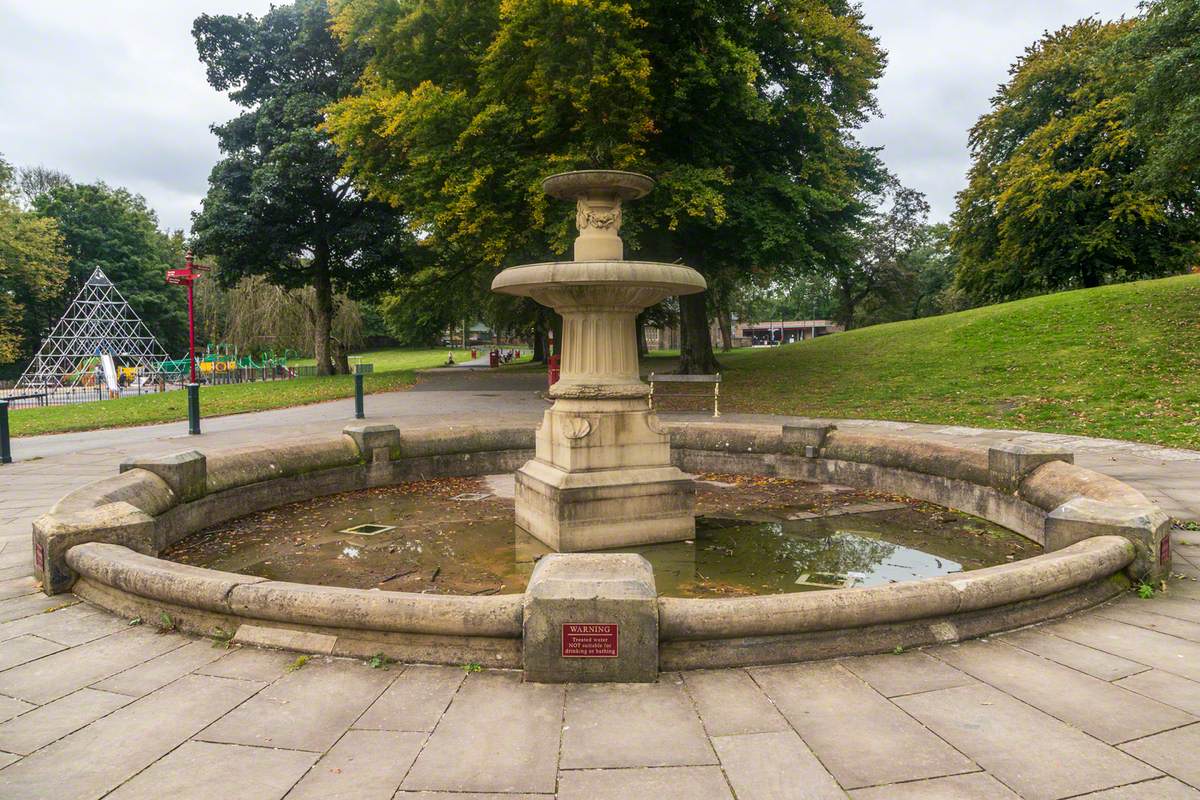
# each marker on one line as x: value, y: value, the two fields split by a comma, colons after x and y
x: 589, y: 182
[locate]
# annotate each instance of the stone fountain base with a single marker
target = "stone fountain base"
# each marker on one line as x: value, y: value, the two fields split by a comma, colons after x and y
x: 603, y: 478
x: 579, y: 511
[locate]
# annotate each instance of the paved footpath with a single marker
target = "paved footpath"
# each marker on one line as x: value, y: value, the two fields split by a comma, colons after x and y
x: 1105, y: 704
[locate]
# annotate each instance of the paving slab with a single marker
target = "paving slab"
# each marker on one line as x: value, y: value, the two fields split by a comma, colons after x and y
x: 1165, y: 688
x: 1031, y: 752
x: 860, y: 737
x: 11, y: 707
x: 1156, y: 789
x: 30, y: 604
x: 363, y: 765
x: 14, y: 572
x: 1169, y: 606
x: 308, y: 709
x: 622, y: 725
x: 498, y: 735
x: 20, y: 649
x: 204, y: 770
x: 141, y: 733
x: 730, y: 703
x: 1096, y: 663
x: 906, y: 673
x: 71, y: 626
x: 250, y: 664
x: 415, y: 701
x: 16, y: 587
x: 63, y: 672
x: 469, y: 795
x: 663, y: 783
x: 1176, y: 753
x: 1152, y: 648
x: 1145, y: 618
x: 1106, y: 711
x: 158, y: 672
x: 55, y: 720
x: 774, y: 766
x: 8, y: 758
x: 972, y: 786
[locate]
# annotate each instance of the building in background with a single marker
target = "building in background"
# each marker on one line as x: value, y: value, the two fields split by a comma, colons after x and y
x: 747, y: 334
x: 783, y: 331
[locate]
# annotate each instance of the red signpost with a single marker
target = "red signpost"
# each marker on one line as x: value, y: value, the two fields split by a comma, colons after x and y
x: 187, y: 277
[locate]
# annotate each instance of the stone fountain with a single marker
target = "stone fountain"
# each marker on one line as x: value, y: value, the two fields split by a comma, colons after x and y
x: 602, y: 474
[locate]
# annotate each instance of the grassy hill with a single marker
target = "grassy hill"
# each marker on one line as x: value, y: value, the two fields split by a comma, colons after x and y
x: 1118, y: 361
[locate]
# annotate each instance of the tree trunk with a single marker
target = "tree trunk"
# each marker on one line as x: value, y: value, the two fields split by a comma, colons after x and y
x: 322, y: 315
x: 640, y: 322
x: 1091, y: 276
x: 341, y: 359
x: 725, y: 321
x: 696, y: 354
x: 539, y: 339
x: 846, y: 312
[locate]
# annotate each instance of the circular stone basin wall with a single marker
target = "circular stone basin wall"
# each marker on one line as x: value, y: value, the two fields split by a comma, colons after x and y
x: 754, y: 535
x: 103, y: 542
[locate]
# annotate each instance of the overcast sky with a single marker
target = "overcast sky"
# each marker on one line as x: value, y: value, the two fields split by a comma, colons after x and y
x: 113, y: 90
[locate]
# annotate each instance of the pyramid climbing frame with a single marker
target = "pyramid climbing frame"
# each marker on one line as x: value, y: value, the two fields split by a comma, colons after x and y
x: 98, y: 322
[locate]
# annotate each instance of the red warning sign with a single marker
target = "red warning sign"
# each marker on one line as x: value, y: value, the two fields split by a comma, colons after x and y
x: 589, y: 640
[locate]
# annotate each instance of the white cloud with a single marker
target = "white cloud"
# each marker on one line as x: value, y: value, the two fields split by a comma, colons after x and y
x: 114, y: 91
x: 945, y: 60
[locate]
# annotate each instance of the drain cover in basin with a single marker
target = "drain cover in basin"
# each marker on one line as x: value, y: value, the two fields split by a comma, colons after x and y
x: 368, y: 529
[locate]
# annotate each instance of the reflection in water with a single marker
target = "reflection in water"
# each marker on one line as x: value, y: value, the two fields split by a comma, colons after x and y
x: 471, y: 548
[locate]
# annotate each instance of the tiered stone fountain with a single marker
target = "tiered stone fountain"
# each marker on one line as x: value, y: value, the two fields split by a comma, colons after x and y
x: 602, y: 475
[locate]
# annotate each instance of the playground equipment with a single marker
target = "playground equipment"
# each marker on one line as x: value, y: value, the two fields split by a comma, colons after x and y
x: 223, y: 363
x: 98, y: 338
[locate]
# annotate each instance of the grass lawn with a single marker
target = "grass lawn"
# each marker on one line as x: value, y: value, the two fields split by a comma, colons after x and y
x: 395, y: 359
x: 394, y: 369
x: 1119, y: 361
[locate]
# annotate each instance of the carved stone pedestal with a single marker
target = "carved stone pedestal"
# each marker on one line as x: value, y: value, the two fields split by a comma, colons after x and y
x: 603, y: 478
x: 602, y: 475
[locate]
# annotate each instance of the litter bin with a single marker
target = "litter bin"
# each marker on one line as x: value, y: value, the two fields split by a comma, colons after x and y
x: 552, y: 365
x: 494, y: 358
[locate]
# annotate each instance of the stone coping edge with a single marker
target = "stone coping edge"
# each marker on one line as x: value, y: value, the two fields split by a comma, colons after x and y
x: 255, y: 598
x: 768, y: 615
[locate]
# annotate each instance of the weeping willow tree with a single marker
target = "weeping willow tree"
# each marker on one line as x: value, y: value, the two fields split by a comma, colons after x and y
x: 255, y: 315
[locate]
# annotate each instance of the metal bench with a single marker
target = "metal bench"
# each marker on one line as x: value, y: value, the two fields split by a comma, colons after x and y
x: 715, y: 380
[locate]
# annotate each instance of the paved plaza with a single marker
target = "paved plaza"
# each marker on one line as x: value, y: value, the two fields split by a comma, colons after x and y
x: 1105, y: 704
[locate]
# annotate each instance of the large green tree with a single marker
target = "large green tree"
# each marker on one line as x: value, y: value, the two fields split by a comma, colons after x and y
x: 741, y: 110
x: 115, y: 230
x: 874, y: 268
x: 1163, y: 51
x: 1057, y: 195
x: 33, y: 270
x: 277, y: 205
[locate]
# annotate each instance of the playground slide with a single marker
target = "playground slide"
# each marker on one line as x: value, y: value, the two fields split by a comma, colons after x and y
x: 110, y: 373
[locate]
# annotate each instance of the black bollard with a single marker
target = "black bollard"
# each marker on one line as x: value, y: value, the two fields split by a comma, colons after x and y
x: 358, y: 396
x: 193, y: 392
x: 5, y: 449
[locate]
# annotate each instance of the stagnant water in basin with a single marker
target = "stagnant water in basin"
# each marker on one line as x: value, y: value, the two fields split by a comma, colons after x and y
x: 754, y: 535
